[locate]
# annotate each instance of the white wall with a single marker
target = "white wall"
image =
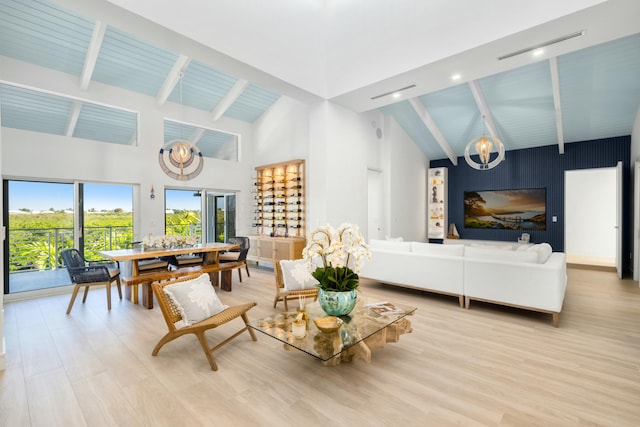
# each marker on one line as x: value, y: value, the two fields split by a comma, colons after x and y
x: 407, y: 184
x: 338, y: 147
x: 282, y: 133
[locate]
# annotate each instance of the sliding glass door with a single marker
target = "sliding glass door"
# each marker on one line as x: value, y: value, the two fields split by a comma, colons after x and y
x: 222, y: 216
x: 41, y: 220
x: 186, y: 214
x: 39, y: 217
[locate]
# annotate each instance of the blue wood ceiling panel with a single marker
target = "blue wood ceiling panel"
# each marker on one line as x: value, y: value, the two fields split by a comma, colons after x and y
x: 212, y: 143
x: 106, y: 124
x: 413, y: 126
x: 34, y: 111
x: 521, y: 103
x: 252, y: 103
x: 600, y: 89
x: 130, y: 63
x: 455, y: 113
x: 202, y: 87
x: 45, y: 34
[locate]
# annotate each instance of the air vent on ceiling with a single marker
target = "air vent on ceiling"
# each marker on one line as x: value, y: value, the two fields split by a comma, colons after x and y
x: 392, y: 92
x: 541, y: 45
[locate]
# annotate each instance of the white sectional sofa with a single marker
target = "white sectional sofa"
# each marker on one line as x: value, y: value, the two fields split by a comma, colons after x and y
x: 427, y: 266
x: 524, y: 276
x: 519, y: 278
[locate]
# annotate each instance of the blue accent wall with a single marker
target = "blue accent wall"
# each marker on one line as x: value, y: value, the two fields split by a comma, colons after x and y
x: 537, y: 168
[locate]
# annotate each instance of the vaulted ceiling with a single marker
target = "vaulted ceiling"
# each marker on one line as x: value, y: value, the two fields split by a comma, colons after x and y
x: 51, y: 36
x: 586, y: 87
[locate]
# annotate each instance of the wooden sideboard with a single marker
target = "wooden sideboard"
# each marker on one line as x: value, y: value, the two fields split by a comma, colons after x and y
x: 269, y: 249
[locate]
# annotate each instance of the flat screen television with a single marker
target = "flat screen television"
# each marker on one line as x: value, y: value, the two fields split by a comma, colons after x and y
x: 524, y: 209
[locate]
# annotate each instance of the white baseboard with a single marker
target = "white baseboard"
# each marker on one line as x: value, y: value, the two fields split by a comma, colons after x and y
x: 47, y: 292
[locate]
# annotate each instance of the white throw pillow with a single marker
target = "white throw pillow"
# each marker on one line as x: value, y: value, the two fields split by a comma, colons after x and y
x: 437, y: 249
x: 195, y: 299
x: 544, y: 251
x: 296, y: 275
x: 499, y: 255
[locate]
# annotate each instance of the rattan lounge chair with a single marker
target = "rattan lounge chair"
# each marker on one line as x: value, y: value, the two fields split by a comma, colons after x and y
x: 172, y: 316
x: 284, y: 295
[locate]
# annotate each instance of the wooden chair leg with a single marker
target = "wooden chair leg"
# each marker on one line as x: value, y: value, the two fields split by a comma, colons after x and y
x: 167, y: 338
x: 109, y: 295
x: 119, y: 287
x: 245, y: 318
x: 246, y: 266
x: 86, y: 291
x: 207, y: 350
x: 73, y: 298
x: 240, y: 274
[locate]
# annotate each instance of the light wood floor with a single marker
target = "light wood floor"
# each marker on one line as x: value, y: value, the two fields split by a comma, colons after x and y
x: 488, y: 366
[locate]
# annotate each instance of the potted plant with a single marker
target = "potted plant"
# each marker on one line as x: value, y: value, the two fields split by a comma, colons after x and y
x: 334, y: 258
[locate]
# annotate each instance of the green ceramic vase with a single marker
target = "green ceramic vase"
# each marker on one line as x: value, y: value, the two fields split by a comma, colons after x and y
x: 337, y: 303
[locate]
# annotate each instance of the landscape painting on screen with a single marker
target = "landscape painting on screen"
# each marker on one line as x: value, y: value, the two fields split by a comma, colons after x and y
x: 506, y: 209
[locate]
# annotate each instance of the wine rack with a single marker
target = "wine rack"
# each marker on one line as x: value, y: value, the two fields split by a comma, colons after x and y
x: 279, y: 194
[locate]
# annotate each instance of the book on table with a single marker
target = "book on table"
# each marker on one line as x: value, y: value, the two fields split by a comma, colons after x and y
x: 384, y: 308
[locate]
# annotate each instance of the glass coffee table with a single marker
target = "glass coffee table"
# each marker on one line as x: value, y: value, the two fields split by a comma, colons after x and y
x: 366, y: 328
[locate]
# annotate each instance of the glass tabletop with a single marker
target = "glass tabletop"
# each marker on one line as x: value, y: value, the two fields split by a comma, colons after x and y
x: 368, y: 317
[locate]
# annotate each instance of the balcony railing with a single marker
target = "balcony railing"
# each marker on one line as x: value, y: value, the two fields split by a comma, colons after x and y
x: 38, y: 249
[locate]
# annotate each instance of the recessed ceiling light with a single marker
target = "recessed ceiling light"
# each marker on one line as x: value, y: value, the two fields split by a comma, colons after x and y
x: 396, y: 95
x: 538, y: 52
x: 456, y: 76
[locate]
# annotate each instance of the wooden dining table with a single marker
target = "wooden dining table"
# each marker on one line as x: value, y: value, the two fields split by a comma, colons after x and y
x: 132, y: 277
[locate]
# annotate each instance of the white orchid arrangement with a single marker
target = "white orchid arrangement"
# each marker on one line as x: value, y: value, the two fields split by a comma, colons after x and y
x: 341, y: 252
x: 168, y: 241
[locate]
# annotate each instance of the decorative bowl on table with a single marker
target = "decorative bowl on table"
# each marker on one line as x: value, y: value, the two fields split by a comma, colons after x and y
x: 328, y: 324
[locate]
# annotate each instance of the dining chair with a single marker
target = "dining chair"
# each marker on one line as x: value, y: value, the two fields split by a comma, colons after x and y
x: 83, y: 274
x: 238, y: 256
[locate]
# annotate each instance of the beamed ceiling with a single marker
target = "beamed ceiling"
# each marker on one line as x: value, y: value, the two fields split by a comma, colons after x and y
x: 583, y: 88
